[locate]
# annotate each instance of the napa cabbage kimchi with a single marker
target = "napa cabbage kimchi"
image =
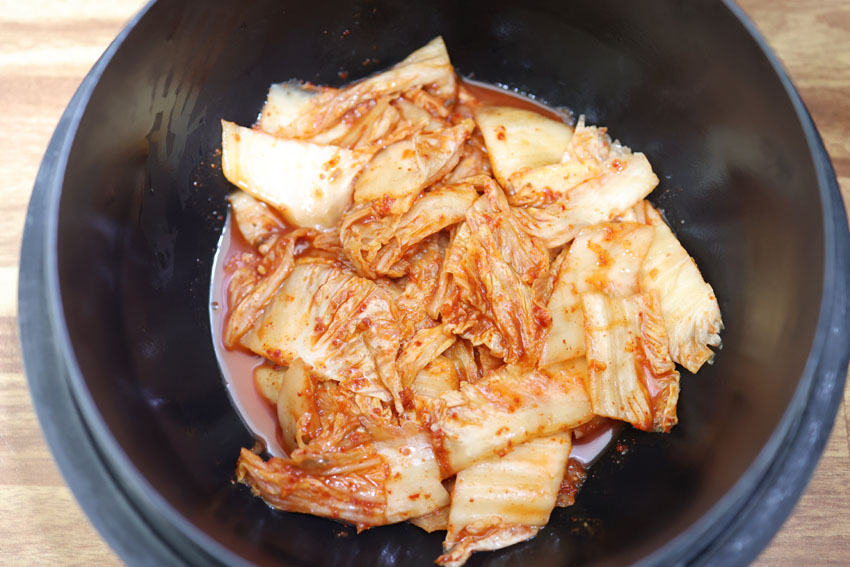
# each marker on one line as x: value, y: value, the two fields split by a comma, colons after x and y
x: 448, y: 292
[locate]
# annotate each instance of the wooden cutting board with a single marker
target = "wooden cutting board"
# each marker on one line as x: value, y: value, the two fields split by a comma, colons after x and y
x: 47, y: 47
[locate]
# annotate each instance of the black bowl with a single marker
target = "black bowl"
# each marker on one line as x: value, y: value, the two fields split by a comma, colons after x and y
x: 129, y: 202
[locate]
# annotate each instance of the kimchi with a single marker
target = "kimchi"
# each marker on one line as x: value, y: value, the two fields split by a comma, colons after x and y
x: 448, y: 295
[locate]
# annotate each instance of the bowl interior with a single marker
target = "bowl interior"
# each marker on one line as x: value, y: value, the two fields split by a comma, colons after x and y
x: 143, y: 204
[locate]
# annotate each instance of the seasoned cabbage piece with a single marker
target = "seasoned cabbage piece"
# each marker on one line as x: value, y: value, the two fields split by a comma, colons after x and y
x: 505, y: 408
x: 439, y: 375
x: 546, y: 185
x: 462, y: 355
x: 343, y: 326
x: 616, y: 179
x: 384, y: 478
x: 309, y: 184
x: 574, y: 477
x: 606, y: 258
x: 573, y: 370
x: 267, y: 382
x: 372, y: 125
x: 413, y: 483
x: 520, y: 139
x: 590, y: 144
x: 420, y: 350
x: 253, y: 288
x: 486, y: 291
x: 427, y: 67
x: 399, y: 172
x: 473, y: 160
x: 439, y: 208
x: 504, y: 500
x: 629, y: 372
x: 434, y: 105
x: 423, y: 267
x: 357, y: 495
x: 377, y: 243
x: 254, y: 219
x: 431, y: 70
x: 634, y: 214
x: 313, y: 412
x: 599, y: 199
x: 418, y: 117
x: 295, y: 399
x: 690, y: 309
x: 486, y: 360
x: 284, y: 103
x: 434, y: 521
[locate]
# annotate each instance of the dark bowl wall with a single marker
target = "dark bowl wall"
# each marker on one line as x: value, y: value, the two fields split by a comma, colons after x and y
x: 143, y: 203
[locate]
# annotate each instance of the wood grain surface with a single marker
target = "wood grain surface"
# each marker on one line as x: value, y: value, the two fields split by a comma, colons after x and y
x: 47, y: 47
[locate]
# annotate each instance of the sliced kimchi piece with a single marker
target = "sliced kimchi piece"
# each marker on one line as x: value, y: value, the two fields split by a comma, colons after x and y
x: 371, y: 481
x: 268, y: 380
x: 596, y: 181
x: 284, y: 103
x: 249, y: 296
x: 505, y: 408
x: 520, y: 139
x: 434, y: 521
x: 598, y: 200
x: 630, y: 375
x: 546, y: 185
x: 256, y: 276
x: 574, y: 477
x: 343, y: 326
x: 423, y: 268
x: 399, y: 172
x: 295, y: 399
x: 487, y: 282
x: 462, y: 355
x: 427, y: 67
x: 413, y: 483
x: 588, y: 154
x: 420, y: 350
x: 690, y: 309
x: 376, y: 243
x: 473, y: 160
x: 417, y: 117
x: 504, y: 500
x: 373, y: 124
x: 310, y: 185
x: 606, y: 258
x: 357, y: 496
x: 254, y: 219
x: 437, y: 377
x: 435, y: 210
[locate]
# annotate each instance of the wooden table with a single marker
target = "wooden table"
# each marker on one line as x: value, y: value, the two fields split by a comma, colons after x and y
x: 47, y: 46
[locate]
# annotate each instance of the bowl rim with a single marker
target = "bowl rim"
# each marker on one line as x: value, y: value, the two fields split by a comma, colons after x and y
x: 734, y: 503
x: 48, y: 357
x: 125, y: 497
